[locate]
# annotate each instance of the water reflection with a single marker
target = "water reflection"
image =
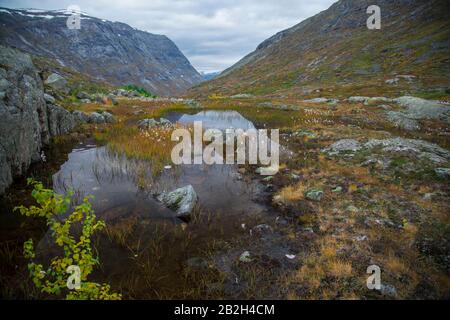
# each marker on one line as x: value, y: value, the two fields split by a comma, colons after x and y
x: 122, y: 186
x: 214, y: 119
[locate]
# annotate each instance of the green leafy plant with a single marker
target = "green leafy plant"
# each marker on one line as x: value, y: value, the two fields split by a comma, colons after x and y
x: 142, y: 92
x: 77, y: 249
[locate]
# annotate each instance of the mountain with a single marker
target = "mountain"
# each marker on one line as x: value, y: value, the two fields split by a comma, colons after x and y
x: 210, y: 75
x: 334, y: 53
x: 108, y: 51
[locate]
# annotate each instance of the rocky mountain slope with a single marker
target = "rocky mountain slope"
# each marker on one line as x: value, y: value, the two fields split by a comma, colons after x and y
x: 107, y: 51
x: 335, y: 53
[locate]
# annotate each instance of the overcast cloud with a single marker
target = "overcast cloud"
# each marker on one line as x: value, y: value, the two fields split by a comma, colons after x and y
x: 213, y: 34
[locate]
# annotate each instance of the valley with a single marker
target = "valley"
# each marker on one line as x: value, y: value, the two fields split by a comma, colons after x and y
x: 363, y: 177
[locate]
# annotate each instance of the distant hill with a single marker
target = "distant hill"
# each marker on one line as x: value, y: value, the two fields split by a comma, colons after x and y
x: 107, y: 51
x: 210, y: 76
x: 334, y: 53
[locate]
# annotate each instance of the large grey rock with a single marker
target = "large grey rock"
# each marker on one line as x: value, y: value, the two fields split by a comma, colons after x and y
x: 322, y: 100
x: 402, y: 121
x: 147, y: 123
x: 58, y: 83
x: 368, y: 100
x: 109, y: 118
x: 419, y: 148
x: 80, y: 117
x: 60, y: 121
x: 343, y: 146
x: 150, y: 123
x: 83, y: 95
x: 23, y: 115
x: 182, y: 200
x: 415, y: 109
x: 96, y: 118
x: 49, y: 98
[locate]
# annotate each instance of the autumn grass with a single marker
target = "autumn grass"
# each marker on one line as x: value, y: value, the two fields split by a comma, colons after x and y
x: 153, y: 144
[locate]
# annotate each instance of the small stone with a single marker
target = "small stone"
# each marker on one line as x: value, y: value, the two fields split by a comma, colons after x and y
x: 361, y: 238
x: 337, y: 190
x: 197, y: 263
x: 262, y: 228
x: 314, y: 195
x: 443, y: 173
x: 352, y: 208
x: 245, y: 257
x: 388, y: 290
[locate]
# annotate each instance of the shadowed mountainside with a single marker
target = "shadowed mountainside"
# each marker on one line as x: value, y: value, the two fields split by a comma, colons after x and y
x: 107, y: 51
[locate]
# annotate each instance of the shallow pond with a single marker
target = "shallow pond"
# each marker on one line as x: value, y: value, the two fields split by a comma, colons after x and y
x: 145, y: 247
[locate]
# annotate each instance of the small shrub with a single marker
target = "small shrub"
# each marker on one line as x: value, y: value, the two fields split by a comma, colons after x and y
x: 142, y: 92
x: 77, y: 250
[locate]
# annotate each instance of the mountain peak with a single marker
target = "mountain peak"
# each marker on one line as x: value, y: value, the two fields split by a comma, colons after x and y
x: 109, y: 51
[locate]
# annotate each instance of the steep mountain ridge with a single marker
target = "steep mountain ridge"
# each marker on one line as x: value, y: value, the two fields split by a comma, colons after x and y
x: 334, y: 50
x: 107, y: 51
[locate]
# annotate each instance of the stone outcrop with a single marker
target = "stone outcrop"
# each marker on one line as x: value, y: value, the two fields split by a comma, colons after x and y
x: 27, y: 118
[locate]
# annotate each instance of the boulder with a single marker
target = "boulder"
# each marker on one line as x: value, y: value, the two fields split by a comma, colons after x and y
x: 150, y: 123
x: 182, y: 200
x: 343, y: 146
x: 322, y: 100
x: 60, y: 121
x: 49, y: 99
x: 96, y: 118
x: 80, y: 117
x: 147, y: 123
x: 402, y: 121
x: 113, y: 100
x: 57, y: 83
x: 83, y: 95
x: 368, y: 100
x: 109, y: 118
x: 165, y: 122
x: 242, y: 96
x: 417, y: 108
x: 419, y: 148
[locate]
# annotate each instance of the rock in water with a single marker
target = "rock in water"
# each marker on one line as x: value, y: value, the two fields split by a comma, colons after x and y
x: 182, y: 200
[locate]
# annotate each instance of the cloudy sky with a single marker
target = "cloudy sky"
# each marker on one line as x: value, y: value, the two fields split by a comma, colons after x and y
x: 213, y: 34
